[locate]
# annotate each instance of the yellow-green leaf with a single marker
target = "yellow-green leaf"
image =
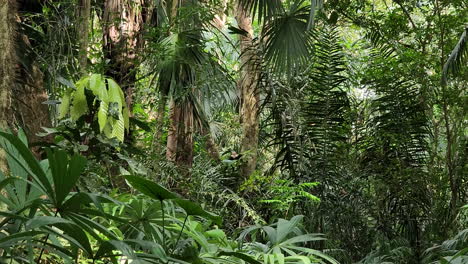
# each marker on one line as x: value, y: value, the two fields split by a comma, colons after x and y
x: 118, y: 128
x: 114, y: 93
x: 108, y: 127
x: 79, y: 104
x: 65, y: 104
x: 102, y: 115
x: 98, y: 87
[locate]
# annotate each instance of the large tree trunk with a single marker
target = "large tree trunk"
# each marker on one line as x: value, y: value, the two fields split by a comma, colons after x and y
x: 8, y: 62
x: 249, y: 105
x: 123, y: 21
x: 22, y: 91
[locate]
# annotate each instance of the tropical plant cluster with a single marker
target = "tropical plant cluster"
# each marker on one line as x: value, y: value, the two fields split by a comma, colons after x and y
x: 234, y: 131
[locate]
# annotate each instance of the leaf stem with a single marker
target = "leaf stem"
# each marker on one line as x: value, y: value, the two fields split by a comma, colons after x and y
x: 180, y: 233
x: 163, y: 226
x: 44, y: 242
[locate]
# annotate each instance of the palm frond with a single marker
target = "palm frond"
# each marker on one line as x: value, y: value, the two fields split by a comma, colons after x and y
x: 261, y: 9
x: 308, y: 110
x: 457, y: 59
x: 287, y: 41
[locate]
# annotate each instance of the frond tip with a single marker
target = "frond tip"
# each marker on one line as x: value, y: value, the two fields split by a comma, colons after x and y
x: 458, y: 56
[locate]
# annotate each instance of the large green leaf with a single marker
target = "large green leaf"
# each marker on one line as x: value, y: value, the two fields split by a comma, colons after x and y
x: 12, y: 239
x: 195, y: 209
x: 102, y: 115
x: 79, y: 104
x: 26, y: 160
x: 73, y: 234
x: 115, y: 94
x: 98, y: 86
x: 118, y: 128
x: 65, y: 104
x: 286, y: 227
x: 40, y: 221
x: 65, y: 172
x: 150, y: 188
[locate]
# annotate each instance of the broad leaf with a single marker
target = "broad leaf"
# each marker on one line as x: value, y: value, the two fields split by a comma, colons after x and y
x: 195, y: 209
x: 150, y: 188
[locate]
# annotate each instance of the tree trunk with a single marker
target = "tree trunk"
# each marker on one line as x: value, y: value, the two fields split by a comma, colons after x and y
x: 181, y: 127
x: 184, y: 154
x: 123, y: 22
x: 160, y: 114
x: 84, y: 13
x: 249, y: 105
x: 172, y: 131
x: 211, y: 146
x: 22, y: 91
x: 180, y: 134
x: 8, y: 63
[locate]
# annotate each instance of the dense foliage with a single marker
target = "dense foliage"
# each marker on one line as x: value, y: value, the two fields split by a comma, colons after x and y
x: 243, y: 131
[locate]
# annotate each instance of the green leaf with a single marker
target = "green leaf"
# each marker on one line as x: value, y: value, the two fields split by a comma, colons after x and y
x: 118, y: 128
x: 65, y: 172
x: 102, y: 115
x: 65, y: 105
x: 285, y: 227
x: 107, y: 247
x: 79, y: 104
x: 192, y: 208
x: 115, y: 93
x: 98, y: 87
x: 241, y: 256
x: 303, y: 238
x: 150, y: 188
x: 75, y: 235
x: 216, y: 233
x: 11, y: 239
x: 65, y: 82
x: 40, y: 221
x: 27, y: 161
x: 6, y: 181
x: 315, y: 253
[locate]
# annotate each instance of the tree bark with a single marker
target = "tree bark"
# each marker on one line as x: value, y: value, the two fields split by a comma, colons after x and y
x: 8, y: 62
x: 172, y: 131
x: 181, y: 127
x: 123, y: 23
x: 211, y: 146
x: 180, y: 134
x: 22, y: 90
x: 249, y: 105
x: 184, y: 154
x: 84, y: 13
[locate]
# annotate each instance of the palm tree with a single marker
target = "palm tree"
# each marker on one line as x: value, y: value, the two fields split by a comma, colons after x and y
x: 189, y: 77
x: 457, y: 57
x: 284, y: 45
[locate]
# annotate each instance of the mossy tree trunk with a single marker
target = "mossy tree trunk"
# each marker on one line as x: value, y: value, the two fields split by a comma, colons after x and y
x: 249, y: 105
x: 7, y: 66
x: 84, y: 14
x: 22, y: 92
